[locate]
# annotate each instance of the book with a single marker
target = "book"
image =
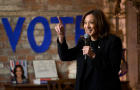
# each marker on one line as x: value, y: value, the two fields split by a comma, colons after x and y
x: 43, y: 80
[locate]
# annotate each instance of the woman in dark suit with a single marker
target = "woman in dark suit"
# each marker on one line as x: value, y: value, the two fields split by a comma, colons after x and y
x: 99, y: 70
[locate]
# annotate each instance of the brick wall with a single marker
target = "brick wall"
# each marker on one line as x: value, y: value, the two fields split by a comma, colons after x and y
x: 13, y: 9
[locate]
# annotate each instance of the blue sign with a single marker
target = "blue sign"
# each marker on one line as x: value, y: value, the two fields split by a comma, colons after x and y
x: 47, y: 35
x: 14, y: 35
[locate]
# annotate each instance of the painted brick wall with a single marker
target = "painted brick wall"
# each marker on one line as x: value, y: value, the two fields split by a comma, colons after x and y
x: 13, y: 9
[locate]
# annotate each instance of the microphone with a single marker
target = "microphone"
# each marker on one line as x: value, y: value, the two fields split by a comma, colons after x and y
x: 86, y: 37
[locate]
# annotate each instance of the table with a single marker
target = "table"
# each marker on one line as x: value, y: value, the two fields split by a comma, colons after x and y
x: 66, y: 84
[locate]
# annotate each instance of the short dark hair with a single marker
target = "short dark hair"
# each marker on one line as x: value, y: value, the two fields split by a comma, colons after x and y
x: 102, y: 27
x: 15, y: 70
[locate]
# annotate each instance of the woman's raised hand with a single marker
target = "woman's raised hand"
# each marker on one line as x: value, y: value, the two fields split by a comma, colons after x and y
x: 59, y: 28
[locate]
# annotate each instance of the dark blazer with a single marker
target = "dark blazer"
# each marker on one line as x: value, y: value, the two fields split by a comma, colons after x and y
x: 14, y: 81
x: 102, y: 72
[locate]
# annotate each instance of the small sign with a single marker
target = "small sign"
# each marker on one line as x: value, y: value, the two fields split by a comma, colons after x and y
x: 1, y: 65
x: 45, y: 69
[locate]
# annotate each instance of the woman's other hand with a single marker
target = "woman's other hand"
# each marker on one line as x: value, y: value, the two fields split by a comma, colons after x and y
x: 87, y: 50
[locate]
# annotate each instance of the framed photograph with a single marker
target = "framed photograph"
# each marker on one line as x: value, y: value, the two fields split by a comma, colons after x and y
x: 23, y: 63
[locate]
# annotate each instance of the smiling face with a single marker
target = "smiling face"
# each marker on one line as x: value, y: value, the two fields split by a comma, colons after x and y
x: 18, y: 72
x: 95, y: 24
x: 89, y: 25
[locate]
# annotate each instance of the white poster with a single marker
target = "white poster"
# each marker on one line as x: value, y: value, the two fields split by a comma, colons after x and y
x: 45, y: 69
